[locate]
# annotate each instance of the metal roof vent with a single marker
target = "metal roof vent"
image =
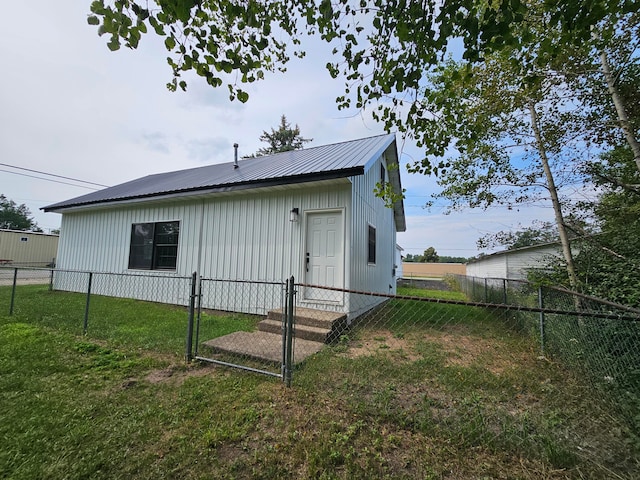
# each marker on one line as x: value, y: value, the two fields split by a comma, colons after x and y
x: 235, y: 155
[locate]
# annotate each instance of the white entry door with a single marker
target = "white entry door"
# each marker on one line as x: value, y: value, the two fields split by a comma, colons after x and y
x: 324, y: 255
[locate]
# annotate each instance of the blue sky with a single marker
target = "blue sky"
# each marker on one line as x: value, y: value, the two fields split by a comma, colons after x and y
x: 71, y: 107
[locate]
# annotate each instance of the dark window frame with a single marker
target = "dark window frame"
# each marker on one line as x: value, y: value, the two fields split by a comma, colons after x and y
x: 371, y: 245
x: 154, y: 245
x: 383, y: 174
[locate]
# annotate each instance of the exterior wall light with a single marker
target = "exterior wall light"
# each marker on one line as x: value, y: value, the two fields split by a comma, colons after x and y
x: 293, y: 215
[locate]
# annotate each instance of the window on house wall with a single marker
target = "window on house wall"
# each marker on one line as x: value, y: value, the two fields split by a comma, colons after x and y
x: 371, y: 255
x: 383, y: 174
x: 154, y: 246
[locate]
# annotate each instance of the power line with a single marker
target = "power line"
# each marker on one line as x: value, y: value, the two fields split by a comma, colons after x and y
x: 47, y: 179
x: 51, y: 175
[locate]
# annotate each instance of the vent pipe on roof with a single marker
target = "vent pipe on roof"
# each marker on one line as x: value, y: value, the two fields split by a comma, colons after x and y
x: 235, y: 155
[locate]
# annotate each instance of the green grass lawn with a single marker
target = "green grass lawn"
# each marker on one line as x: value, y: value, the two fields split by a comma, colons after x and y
x: 466, y: 398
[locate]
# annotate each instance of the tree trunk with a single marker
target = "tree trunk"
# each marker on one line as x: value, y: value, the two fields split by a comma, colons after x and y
x: 623, y: 119
x: 555, y: 201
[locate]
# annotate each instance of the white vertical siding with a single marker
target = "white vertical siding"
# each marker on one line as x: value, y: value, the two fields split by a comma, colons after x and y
x: 241, y: 236
x: 250, y: 237
x: 489, y: 267
x: 98, y: 240
x: 237, y: 237
x: 513, y: 264
x: 370, y: 210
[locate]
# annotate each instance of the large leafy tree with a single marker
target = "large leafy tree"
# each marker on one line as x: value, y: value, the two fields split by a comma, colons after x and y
x: 387, y: 50
x: 501, y: 125
x: 16, y: 217
x: 608, y: 262
x: 284, y: 139
x: 382, y: 48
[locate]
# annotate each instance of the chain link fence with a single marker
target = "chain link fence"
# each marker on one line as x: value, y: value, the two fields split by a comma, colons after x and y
x: 125, y: 308
x: 598, y: 338
x: 242, y: 324
x: 495, y: 364
x: 480, y: 364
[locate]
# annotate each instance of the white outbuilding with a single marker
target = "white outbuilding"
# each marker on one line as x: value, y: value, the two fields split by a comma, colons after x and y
x: 310, y: 213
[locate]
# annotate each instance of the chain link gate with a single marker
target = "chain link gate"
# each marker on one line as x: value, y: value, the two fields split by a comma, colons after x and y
x: 244, y: 325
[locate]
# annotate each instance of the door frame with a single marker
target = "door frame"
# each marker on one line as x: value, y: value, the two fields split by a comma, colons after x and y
x: 303, y: 250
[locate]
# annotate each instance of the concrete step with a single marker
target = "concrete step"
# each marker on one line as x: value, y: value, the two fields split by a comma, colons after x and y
x: 312, y: 317
x: 260, y: 346
x: 306, y: 332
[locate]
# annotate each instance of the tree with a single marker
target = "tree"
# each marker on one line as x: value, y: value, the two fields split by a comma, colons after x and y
x: 16, y: 217
x: 409, y: 257
x: 608, y: 262
x: 542, y: 232
x: 382, y: 48
x: 448, y: 259
x: 430, y: 255
x: 500, y: 124
x: 283, y: 139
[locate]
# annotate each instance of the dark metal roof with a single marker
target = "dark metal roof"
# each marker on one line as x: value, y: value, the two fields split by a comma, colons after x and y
x: 317, y: 163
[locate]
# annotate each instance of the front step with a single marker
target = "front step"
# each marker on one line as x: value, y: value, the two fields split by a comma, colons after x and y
x: 315, y: 325
x: 315, y: 334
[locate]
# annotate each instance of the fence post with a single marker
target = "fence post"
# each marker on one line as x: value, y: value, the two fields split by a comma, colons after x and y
x: 13, y: 289
x: 189, y: 341
x: 486, y: 294
x: 285, y: 319
x: 51, y: 280
x: 504, y: 291
x: 199, y: 315
x: 289, y: 333
x: 542, y: 320
x: 85, y: 325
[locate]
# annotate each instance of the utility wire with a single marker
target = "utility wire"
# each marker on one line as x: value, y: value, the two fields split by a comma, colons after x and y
x: 47, y: 179
x: 51, y: 175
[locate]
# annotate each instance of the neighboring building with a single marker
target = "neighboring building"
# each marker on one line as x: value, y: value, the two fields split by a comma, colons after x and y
x: 398, y: 263
x: 515, y: 264
x: 309, y: 213
x: 31, y: 249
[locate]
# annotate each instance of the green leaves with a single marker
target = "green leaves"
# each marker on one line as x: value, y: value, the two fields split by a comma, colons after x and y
x: 170, y: 43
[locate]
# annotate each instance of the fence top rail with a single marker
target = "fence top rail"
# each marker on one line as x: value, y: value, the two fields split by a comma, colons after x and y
x: 502, y: 306
x: 596, y: 299
x: 62, y: 270
x: 226, y: 280
x: 561, y: 290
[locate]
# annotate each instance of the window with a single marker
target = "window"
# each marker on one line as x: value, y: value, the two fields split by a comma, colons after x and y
x: 372, y: 245
x: 154, y: 246
x: 383, y: 173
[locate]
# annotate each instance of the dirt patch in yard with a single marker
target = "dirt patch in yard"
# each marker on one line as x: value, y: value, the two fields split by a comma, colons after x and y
x: 177, y: 374
x: 458, y: 348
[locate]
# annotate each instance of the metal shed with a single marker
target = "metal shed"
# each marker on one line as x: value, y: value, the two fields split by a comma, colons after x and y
x: 309, y: 213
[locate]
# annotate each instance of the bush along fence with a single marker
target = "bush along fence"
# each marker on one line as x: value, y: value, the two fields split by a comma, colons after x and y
x: 491, y: 362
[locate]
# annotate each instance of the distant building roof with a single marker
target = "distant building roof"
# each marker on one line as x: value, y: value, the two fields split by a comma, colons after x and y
x: 537, y: 246
x: 325, y: 162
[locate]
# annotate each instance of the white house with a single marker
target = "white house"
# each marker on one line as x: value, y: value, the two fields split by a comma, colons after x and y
x: 515, y: 264
x: 309, y: 213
